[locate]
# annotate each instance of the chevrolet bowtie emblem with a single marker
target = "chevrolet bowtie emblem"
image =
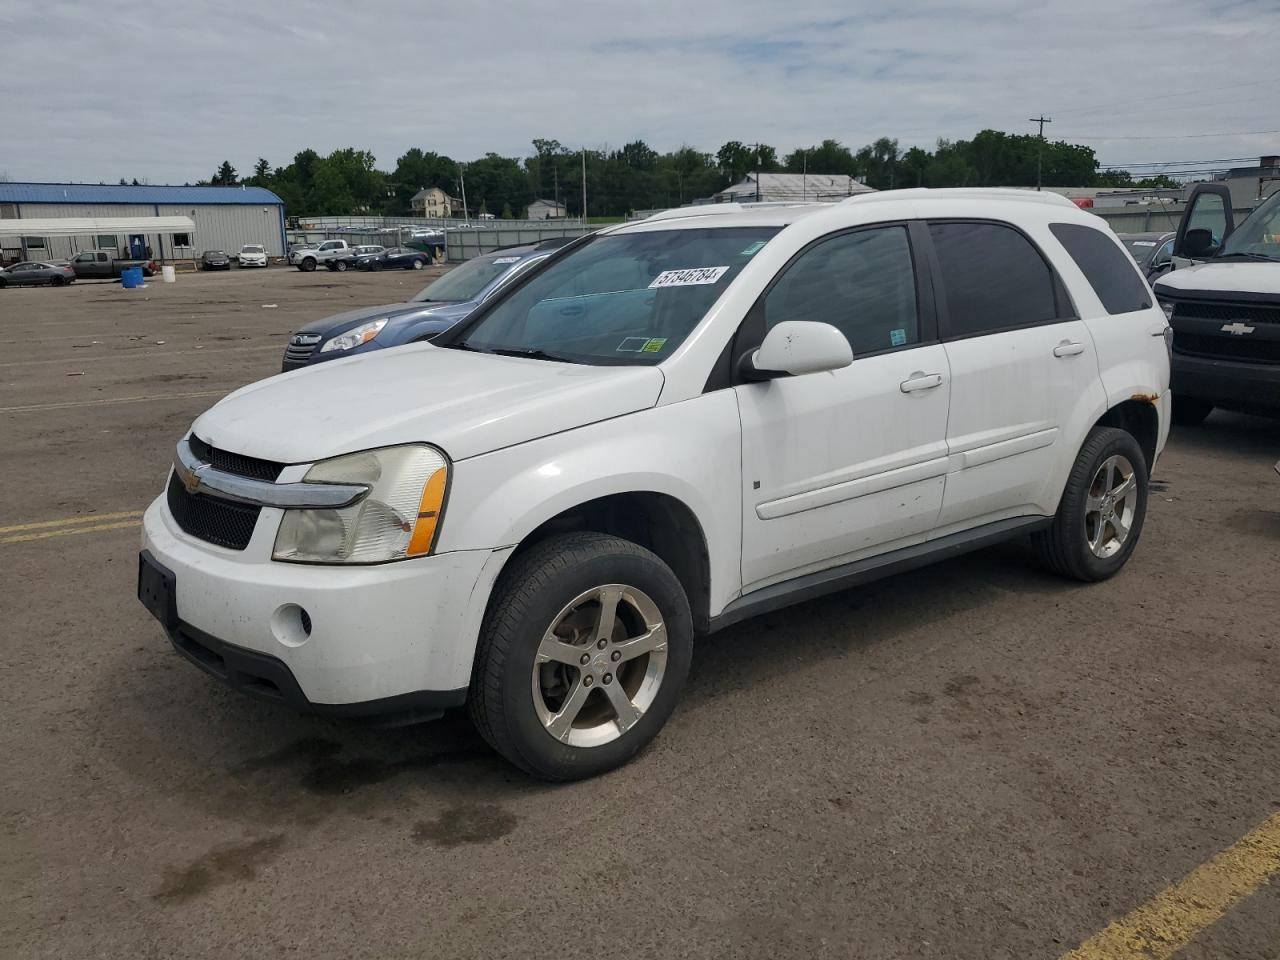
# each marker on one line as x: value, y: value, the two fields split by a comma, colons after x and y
x: 190, y: 478
x: 1237, y: 328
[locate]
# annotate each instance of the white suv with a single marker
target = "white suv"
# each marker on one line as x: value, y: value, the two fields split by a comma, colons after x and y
x: 663, y: 429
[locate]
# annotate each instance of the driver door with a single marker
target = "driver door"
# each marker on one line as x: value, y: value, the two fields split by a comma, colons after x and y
x: 1205, y: 225
x: 840, y: 465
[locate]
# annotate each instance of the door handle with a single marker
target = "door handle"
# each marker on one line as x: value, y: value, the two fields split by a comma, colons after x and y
x: 1068, y: 348
x: 921, y: 381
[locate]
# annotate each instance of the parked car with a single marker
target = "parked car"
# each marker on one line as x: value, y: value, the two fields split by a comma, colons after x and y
x: 667, y: 427
x: 35, y: 272
x: 354, y: 257
x: 1223, y: 300
x: 396, y: 258
x: 215, y: 260
x: 434, y: 309
x: 101, y: 264
x: 308, y: 258
x: 1153, y: 252
x: 253, y: 255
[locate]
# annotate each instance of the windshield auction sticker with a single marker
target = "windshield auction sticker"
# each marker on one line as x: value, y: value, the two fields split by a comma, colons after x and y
x: 695, y: 276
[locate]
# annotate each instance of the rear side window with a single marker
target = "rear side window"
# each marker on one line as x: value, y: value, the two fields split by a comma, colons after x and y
x: 1109, y: 271
x: 994, y: 278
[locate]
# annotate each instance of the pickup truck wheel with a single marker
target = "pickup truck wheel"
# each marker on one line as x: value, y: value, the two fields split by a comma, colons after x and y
x: 1103, y: 507
x: 583, y: 654
x: 1189, y: 411
x: 307, y: 265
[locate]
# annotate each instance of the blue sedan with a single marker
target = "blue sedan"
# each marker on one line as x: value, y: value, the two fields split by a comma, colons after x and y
x: 436, y: 308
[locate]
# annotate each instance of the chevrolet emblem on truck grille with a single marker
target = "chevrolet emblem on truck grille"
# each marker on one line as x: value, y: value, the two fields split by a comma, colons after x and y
x: 1237, y: 329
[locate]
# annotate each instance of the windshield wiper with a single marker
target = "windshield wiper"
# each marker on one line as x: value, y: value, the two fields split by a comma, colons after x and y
x: 530, y: 354
x: 461, y: 346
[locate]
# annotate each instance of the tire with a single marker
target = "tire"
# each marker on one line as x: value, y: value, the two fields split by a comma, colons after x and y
x: 56, y: 281
x: 1082, y: 543
x: 374, y: 266
x: 307, y: 265
x: 1189, y: 411
x: 554, y: 586
x: 3, y: 283
x: 418, y: 265
x: 340, y: 266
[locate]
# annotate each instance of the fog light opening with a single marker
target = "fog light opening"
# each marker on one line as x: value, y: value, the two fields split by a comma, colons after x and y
x: 291, y: 625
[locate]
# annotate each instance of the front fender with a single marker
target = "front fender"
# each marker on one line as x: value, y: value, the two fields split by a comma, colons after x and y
x: 690, y: 451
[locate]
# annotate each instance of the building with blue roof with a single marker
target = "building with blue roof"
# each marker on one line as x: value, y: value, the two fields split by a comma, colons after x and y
x: 222, y: 218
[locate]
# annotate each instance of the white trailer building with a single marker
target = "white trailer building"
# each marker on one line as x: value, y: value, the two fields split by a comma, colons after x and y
x: 222, y: 218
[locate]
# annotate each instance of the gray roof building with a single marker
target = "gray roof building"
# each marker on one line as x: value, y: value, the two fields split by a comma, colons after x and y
x: 791, y: 187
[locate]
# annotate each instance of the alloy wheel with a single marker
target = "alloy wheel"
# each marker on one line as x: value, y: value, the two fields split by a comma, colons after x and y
x: 1110, y: 506
x: 600, y: 665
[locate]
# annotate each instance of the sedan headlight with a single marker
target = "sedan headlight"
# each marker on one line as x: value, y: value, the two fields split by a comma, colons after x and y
x: 397, y: 519
x: 355, y: 336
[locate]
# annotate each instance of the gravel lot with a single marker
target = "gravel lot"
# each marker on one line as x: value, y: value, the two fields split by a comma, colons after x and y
x: 972, y: 760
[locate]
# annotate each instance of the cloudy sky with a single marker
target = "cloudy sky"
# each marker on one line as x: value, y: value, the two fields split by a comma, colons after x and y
x: 165, y: 91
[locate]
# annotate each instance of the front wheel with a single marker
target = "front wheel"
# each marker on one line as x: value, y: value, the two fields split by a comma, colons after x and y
x: 340, y: 266
x: 583, y: 654
x: 1102, y: 510
x: 418, y: 264
x: 307, y: 265
x: 374, y: 265
x: 56, y: 281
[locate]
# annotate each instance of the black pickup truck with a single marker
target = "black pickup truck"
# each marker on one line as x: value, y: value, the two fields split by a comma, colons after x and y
x: 102, y: 264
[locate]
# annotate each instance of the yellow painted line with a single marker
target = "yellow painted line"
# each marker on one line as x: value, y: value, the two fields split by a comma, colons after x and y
x: 69, y: 531
x: 70, y: 521
x: 66, y: 405
x: 1173, y: 917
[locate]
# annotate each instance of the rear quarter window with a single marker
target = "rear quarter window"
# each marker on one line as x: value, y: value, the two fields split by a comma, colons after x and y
x: 1108, y: 269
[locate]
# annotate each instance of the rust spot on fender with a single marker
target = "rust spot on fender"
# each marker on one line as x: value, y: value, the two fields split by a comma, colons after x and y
x: 1151, y: 398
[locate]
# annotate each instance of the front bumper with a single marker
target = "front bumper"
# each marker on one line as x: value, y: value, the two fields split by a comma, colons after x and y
x: 1243, y: 386
x: 382, y: 638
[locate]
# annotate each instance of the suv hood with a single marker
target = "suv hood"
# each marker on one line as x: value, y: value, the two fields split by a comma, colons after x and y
x: 465, y: 403
x: 1238, y: 276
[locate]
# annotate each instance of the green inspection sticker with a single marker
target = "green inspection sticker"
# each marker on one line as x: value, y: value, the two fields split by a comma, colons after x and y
x: 654, y: 346
x: 754, y: 248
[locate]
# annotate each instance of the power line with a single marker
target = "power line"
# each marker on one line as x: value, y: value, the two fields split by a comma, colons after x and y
x: 1183, y: 93
x: 1180, y: 163
x: 1182, y: 136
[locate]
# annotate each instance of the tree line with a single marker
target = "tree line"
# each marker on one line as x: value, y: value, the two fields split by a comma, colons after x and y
x: 637, y: 177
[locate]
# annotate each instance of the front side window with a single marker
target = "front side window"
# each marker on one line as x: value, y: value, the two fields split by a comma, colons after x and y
x: 862, y: 283
x: 994, y: 278
x: 629, y: 298
x: 1209, y: 213
x: 1109, y: 271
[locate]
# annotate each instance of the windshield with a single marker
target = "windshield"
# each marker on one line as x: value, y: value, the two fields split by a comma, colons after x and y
x: 251, y: 248
x: 1259, y: 235
x: 469, y: 280
x: 630, y: 298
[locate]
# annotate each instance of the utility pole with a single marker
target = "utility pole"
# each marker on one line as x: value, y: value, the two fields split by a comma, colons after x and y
x: 1042, y: 120
x: 462, y: 174
x: 584, y: 185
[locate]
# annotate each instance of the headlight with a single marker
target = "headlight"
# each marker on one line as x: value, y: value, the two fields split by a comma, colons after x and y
x: 397, y: 519
x: 1167, y: 307
x: 355, y: 336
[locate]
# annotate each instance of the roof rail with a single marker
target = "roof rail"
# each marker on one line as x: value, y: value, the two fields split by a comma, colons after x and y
x: 965, y: 193
x: 710, y: 209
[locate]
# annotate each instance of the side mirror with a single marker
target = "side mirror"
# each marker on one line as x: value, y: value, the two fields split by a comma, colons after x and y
x: 797, y: 347
x: 1199, y: 243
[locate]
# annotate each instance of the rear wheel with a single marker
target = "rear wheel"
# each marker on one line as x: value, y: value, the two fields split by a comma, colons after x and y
x: 1188, y: 411
x: 1102, y: 510
x: 582, y: 657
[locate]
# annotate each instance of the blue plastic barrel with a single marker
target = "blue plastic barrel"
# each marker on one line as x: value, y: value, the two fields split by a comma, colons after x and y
x: 131, y: 278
